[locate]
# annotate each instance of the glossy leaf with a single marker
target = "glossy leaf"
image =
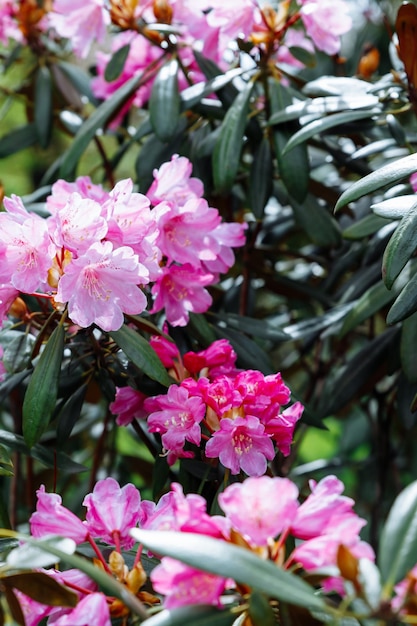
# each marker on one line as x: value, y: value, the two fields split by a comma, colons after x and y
x: 384, y: 176
x: 164, y: 103
x: 198, y: 615
x: 260, y: 610
x: 195, y: 93
x: 32, y: 556
x: 328, y: 85
x: 231, y: 561
x: 18, y: 139
x: 79, y: 78
x: 408, y: 347
x: 17, y: 353
x: 42, y: 392
x: 394, y: 208
x: 42, y: 588
x: 401, y: 246
x: 398, y: 543
x: 405, y: 304
x: 323, y: 106
x: 6, y: 463
x: 372, y: 301
x: 364, y: 227
x: 43, y: 105
x: 326, y: 123
x: 226, y: 155
x: 116, y: 63
x: 260, y: 179
x: 97, y: 120
x: 314, y: 219
x: 253, y: 326
x: 139, y: 351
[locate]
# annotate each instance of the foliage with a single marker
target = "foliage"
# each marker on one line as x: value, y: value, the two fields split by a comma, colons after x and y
x: 220, y: 257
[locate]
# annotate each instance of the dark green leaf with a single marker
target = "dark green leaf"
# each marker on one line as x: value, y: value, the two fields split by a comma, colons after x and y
x: 260, y: 179
x: 405, y: 304
x: 79, y: 78
x: 43, y: 105
x: 247, y: 350
x: 41, y: 394
x: 42, y: 588
x: 364, y: 227
x: 197, y: 615
x: 6, y: 463
x: 138, y: 350
x: 257, y: 328
x: 372, y: 301
x: 226, y: 155
x: 325, y: 124
x: 18, y: 139
x: 260, y: 610
x: 97, y: 120
x: 164, y: 103
x: 314, y: 218
x: 116, y: 64
x: 398, y: 543
x: 408, y: 347
x: 384, y: 176
x: 400, y: 247
x: 70, y: 413
x: 17, y: 353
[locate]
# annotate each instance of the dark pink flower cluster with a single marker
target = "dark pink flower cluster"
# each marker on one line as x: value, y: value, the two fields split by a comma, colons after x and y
x: 238, y: 413
x: 264, y: 511
x: 98, y: 249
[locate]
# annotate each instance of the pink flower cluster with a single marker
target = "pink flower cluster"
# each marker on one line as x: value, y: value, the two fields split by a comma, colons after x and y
x: 238, y: 413
x: 264, y: 511
x: 97, y: 250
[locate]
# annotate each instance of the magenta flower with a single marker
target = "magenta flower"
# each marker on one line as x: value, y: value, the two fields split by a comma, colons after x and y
x: 173, y: 182
x: 181, y: 290
x: 82, y: 22
x: 241, y: 443
x: 281, y: 428
x: 182, y: 585
x: 52, y: 518
x: 112, y: 511
x: 128, y: 405
x: 166, y: 350
x: 261, y: 507
x: 219, y: 359
x: 101, y: 285
x: 325, y: 21
x: 178, y: 419
x: 92, y: 610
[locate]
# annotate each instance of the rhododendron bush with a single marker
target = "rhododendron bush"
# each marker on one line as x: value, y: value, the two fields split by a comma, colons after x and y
x: 208, y: 302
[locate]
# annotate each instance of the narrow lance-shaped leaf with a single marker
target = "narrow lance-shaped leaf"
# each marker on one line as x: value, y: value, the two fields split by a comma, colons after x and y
x: 406, y: 303
x: 386, y: 175
x: 141, y: 353
x: 226, y: 155
x: 400, y: 247
x: 261, y: 178
x: 116, y: 64
x: 164, y: 103
x: 42, y: 588
x: 198, y: 615
x: 42, y: 392
x: 18, y: 139
x: 230, y: 561
x: 43, y: 105
x: 398, y: 545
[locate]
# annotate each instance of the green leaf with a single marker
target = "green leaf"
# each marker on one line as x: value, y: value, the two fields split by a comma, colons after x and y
x: 322, y: 106
x: 364, y: 227
x: 42, y: 391
x: 372, y: 301
x: 401, y: 246
x: 97, y: 120
x: 260, y: 179
x: 193, y: 95
x: 314, y: 219
x: 116, y: 64
x: 197, y: 615
x: 138, y: 350
x: 405, y: 304
x: 42, y: 588
x: 384, y: 176
x: 79, y: 78
x: 394, y: 208
x: 226, y: 155
x: 17, y: 353
x: 398, y: 544
x: 6, y: 463
x: 408, y: 347
x: 43, y: 105
x: 326, y: 123
x: 253, y: 326
x: 230, y: 561
x: 260, y: 610
x: 164, y: 103
x: 18, y: 139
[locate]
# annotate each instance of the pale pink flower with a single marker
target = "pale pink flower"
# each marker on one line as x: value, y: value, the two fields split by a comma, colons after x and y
x: 325, y: 21
x: 101, y: 285
x: 83, y: 185
x: 181, y: 290
x: 78, y: 224
x: 413, y: 181
x: 231, y: 23
x: 261, y: 507
x: 127, y: 405
x: 9, y: 28
x: 178, y: 418
x: 322, y: 508
x: 173, y: 182
x: 227, y: 235
x: 92, y: 610
x: 51, y: 517
x: 241, y: 443
x: 26, y: 250
x: 112, y: 511
x: 83, y: 22
x: 8, y: 294
x: 293, y: 39
x: 182, y: 585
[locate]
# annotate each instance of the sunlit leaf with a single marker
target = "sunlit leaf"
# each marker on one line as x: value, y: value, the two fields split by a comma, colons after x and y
x: 372, y: 301
x: 230, y: 561
x: 29, y: 556
x: 394, y: 208
x: 42, y: 392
